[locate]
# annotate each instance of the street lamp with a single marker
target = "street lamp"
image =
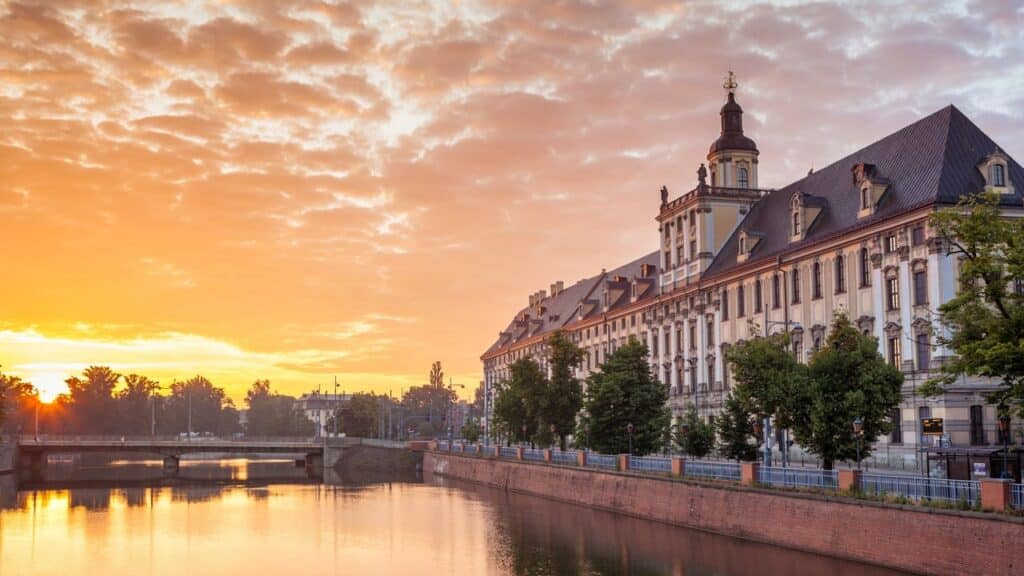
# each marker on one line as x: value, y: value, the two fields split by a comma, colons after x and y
x: 629, y: 430
x: 858, y: 430
x: 1004, y: 431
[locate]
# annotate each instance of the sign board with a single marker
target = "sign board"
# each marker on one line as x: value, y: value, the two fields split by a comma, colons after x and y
x: 980, y: 469
x: 931, y: 426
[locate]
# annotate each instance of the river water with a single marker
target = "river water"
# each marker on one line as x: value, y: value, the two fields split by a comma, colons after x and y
x: 253, y: 518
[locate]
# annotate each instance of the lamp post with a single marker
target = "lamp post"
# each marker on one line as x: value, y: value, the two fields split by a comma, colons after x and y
x: 858, y: 430
x: 629, y: 431
x: 1004, y: 431
x: 524, y: 433
x: 553, y: 429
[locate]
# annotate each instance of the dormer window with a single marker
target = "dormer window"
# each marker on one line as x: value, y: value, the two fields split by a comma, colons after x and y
x: 997, y: 175
x: 994, y: 168
x: 743, y: 244
x: 796, y: 221
x: 865, y: 198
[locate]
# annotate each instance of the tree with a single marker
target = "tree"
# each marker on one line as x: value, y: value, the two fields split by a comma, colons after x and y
x: 564, y: 394
x: 135, y: 404
x: 766, y: 375
x: 621, y: 392
x: 210, y: 409
x: 425, y: 408
x: 273, y: 414
x: 695, y: 436
x: 361, y: 418
x: 14, y: 394
x: 90, y: 400
x: 985, y: 320
x: 847, y: 379
x: 735, y: 431
x: 470, y: 431
x: 436, y: 375
x: 518, y: 401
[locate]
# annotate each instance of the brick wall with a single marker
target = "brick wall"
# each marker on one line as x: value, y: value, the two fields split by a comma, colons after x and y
x: 915, y: 539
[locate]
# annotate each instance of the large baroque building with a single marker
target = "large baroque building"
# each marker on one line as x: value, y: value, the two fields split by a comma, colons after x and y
x: 733, y: 259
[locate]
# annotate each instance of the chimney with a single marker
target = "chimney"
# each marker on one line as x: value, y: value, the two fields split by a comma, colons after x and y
x: 533, y: 300
x: 559, y: 286
x: 541, y: 295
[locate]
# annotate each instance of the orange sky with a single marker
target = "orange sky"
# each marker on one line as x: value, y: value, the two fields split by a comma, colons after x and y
x: 296, y: 191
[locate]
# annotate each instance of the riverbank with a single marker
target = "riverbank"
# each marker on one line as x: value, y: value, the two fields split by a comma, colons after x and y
x: 914, y: 539
x: 8, y: 454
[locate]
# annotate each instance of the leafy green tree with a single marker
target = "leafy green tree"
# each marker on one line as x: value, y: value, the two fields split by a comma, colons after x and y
x: 985, y: 320
x: 564, y: 394
x: 847, y: 379
x: 735, y: 432
x: 425, y: 409
x: 694, y: 436
x: 621, y: 392
x: 361, y: 417
x: 767, y: 375
x: 519, y: 401
x: 90, y: 400
x: 471, y: 431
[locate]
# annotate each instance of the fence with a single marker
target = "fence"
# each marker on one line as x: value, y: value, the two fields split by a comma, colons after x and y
x: 560, y: 457
x: 443, y: 446
x: 603, y: 461
x: 508, y: 452
x: 921, y: 488
x: 1017, y: 496
x: 798, y: 477
x: 471, y: 449
x: 533, y: 454
x: 650, y: 464
x: 712, y: 470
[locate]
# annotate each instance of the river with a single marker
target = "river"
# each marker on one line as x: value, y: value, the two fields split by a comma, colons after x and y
x: 252, y: 518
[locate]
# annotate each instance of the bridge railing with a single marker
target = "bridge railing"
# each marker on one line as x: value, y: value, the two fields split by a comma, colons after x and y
x: 43, y: 439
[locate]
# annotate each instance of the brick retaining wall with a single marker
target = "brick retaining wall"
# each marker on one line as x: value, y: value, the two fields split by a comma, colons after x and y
x: 909, y: 538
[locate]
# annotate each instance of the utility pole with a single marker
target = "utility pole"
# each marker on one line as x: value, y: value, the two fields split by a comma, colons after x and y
x: 190, y: 412
x: 337, y: 405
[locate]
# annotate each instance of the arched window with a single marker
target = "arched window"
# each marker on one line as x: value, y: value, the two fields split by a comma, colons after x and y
x: 742, y: 177
x: 840, y: 274
x: 796, y: 222
x: 998, y: 175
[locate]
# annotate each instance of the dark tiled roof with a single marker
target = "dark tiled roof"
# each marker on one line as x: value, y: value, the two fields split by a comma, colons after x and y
x: 933, y: 160
x: 561, y: 309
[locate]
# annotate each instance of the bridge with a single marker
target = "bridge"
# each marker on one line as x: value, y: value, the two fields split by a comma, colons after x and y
x: 32, y: 451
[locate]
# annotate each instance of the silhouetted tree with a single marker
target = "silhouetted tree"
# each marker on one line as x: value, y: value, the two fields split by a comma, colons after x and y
x: 135, y: 404
x: 273, y: 414
x: 90, y: 401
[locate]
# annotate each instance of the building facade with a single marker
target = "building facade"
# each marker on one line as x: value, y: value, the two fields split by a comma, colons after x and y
x: 735, y: 260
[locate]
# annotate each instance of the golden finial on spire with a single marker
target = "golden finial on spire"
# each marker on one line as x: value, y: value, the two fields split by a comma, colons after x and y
x: 730, y: 84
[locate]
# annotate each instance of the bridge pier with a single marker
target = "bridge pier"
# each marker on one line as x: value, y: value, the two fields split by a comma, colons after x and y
x: 314, y: 463
x: 171, y: 464
x: 36, y: 465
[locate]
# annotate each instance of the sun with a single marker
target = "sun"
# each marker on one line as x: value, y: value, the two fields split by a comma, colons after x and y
x: 49, y: 384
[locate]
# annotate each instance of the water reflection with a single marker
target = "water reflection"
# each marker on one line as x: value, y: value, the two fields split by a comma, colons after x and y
x: 221, y: 520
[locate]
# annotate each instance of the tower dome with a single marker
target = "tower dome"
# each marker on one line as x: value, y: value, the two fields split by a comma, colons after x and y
x: 732, y: 137
x: 732, y: 158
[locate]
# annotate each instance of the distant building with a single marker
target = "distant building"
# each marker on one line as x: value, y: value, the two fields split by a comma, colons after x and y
x: 319, y: 408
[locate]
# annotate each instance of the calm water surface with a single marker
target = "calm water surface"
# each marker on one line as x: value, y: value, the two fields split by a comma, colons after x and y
x: 256, y: 518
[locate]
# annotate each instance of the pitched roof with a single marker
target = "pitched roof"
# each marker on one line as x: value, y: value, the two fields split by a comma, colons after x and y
x: 560, y: 309
x: 933, y: 160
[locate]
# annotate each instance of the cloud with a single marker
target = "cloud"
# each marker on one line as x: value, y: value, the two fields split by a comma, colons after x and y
x: 327, y: 166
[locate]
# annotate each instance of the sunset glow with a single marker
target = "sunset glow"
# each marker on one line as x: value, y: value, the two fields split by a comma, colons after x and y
x: 298, y: 191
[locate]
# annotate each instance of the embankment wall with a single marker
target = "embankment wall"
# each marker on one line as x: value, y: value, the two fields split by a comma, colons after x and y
x: 912, y: 538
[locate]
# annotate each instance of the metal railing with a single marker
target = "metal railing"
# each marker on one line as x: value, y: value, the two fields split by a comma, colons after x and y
x: 713, y: 470
x: 921, y: 488
x: 509, y: 452
x: 798, y: 477
x: 650, y: 464
x: 471, y: 449
x: 603, y: 461
x: 1017, y: 496
x: 443, y: 446
x: 567, y: 457
x: 533, y: 454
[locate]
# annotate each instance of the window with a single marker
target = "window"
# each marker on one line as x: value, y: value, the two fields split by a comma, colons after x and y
x: 796, y: 222
x: 816, y: 281
x: 890, y: 243
x: 757, y: 295
x: 1018, y: 285
x: 740, y: 304
x: 693, y: 336
x: 693, y: 249
x: 920, y: 288
x: 892, y: 293
x: 924, y: 351
x: 711, y: 374
x: 998, y: 175
x: 742, y: 177
x: 840, y: 274
x: 709, y: 336
x: 865, y: 268
x: 743, y: 245
x: 895, y: 355
x: 776, y: 301
x: 798, y: 347
x: 865, y: 198
x: 725, y: 304
x: 917, y: 236
x: 896, y: 417
x: 796, y: 285
x: 977, y: 425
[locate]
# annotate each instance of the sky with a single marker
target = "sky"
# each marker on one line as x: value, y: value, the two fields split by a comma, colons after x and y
x: 307, y: 190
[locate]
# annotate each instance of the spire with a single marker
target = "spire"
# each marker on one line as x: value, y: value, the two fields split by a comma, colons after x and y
x: 730, y: 84
x: 732, y: 137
